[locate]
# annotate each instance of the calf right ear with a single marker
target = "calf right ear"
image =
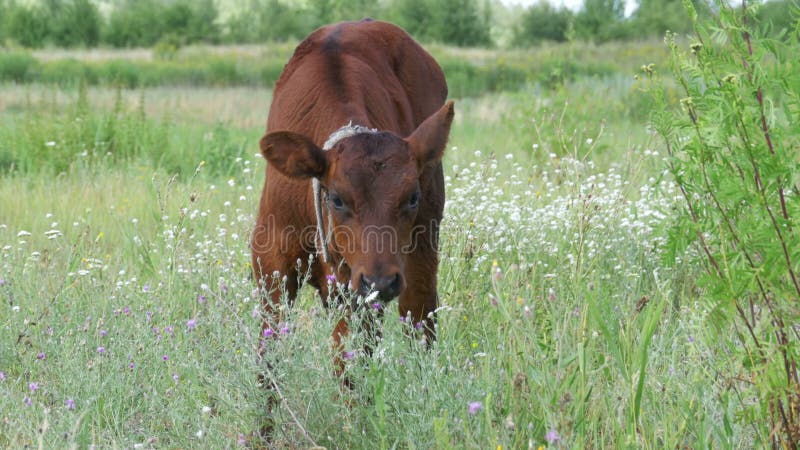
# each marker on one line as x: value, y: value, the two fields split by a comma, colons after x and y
x: 294, y: 155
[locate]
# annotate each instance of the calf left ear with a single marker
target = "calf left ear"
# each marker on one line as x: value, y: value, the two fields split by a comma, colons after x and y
x: 294, y: 154
x: 428, y: 141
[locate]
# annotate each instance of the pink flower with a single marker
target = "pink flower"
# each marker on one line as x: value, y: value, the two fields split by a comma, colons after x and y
x: 474, y: 407
x: 552, y: 436
x: 191, y: 324
x: 70, y: 404
x: 101, y: 350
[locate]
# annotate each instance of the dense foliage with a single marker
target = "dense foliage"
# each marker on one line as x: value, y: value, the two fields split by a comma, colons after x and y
x: 733, y: 152
x: 172, y: 23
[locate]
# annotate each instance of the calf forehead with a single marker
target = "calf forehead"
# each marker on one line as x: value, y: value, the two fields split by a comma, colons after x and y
x: 380, y: 161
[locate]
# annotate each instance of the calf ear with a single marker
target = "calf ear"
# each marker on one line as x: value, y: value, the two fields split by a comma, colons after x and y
x: 428, y: 141
x: 293, y: 154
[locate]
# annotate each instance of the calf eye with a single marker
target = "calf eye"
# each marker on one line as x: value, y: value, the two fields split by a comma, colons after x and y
x: 413, y: 202
x: 336, y: 201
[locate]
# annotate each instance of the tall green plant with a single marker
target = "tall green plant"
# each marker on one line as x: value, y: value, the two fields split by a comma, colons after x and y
x: 733, y: 148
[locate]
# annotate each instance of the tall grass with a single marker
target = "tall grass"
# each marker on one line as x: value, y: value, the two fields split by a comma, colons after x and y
x: 130, y: 317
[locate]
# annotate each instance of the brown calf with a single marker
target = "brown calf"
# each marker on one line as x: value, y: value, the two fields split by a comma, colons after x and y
x: 381, y: 189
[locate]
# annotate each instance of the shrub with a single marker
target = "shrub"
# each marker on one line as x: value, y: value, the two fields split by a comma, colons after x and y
x: 66, y: 72
x: 733, y: 152
x: 134, y: 23
x: 17, y: 66
x: 543, y: 22
x: 27, y: 26
x: 73, y: 23
x: 600, y: 20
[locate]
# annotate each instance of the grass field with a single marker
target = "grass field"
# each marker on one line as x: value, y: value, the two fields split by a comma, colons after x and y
x: 128, y: 319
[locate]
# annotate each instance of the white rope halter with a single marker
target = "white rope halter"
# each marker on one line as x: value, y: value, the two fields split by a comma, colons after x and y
x: 342, y: 133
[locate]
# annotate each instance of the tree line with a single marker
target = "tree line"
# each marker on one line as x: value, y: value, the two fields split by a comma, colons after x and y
x: 145, y: 23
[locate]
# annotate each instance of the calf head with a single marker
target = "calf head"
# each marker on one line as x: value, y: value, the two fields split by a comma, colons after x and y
x: 372, y: 191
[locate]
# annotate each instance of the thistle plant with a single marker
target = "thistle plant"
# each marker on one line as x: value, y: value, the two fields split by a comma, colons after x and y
x: 732, y: 148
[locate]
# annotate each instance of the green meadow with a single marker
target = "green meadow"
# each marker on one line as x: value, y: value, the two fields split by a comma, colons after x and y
x: 129, y: 184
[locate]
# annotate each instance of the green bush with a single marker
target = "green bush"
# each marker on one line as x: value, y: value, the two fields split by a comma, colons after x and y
x: 17, y: 67
x: 27, y: 26
x: 733, y: 153
x: 66, y: 72
x: 142, y: 23
x: 73, y: 23
x: 542, y: 22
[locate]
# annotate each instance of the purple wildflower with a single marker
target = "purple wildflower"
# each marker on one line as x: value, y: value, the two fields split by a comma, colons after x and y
x: 146, y: 288
x: 191, y: 324
x: 241, y: 440
x: 165, y: 358
x: 155, y: 330
x: 223, y: 287
x: 497, y: 274
x: 41, y: 355
x: 70, y: 404
x: 176, y: 377
x: 474, y: 407
x: 169, y: 329
x: 27, y: 401
x: 126, y: 310
x: 33, y: 386
x: 348, y: 355
x: 2, y: 282
x: 268, y: 332
x: 402, y: 319
x: 103, y: 333
x: 330, y: 278
x: 2, y: 376
x: 418, y: 325
x: 552, y: 437
x: 201, y: 298
x: 131, y: 366
x: 101, y: 350
x: 285, y: 329
x: 691, y: 339
x: 377, y: 306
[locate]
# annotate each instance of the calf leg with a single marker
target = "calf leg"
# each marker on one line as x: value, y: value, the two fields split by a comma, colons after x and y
x: 420, y: 300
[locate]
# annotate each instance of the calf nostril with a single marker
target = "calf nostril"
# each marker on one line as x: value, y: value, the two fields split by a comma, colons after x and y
x: 394, y: 286
x: 366, y: 283
x: 388, y: 286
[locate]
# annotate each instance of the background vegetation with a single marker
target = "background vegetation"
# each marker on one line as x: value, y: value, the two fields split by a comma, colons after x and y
x: 577, y: 311
x: 173, y: 23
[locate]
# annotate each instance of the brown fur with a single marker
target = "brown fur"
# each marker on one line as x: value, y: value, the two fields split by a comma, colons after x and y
x: 372, y: 74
